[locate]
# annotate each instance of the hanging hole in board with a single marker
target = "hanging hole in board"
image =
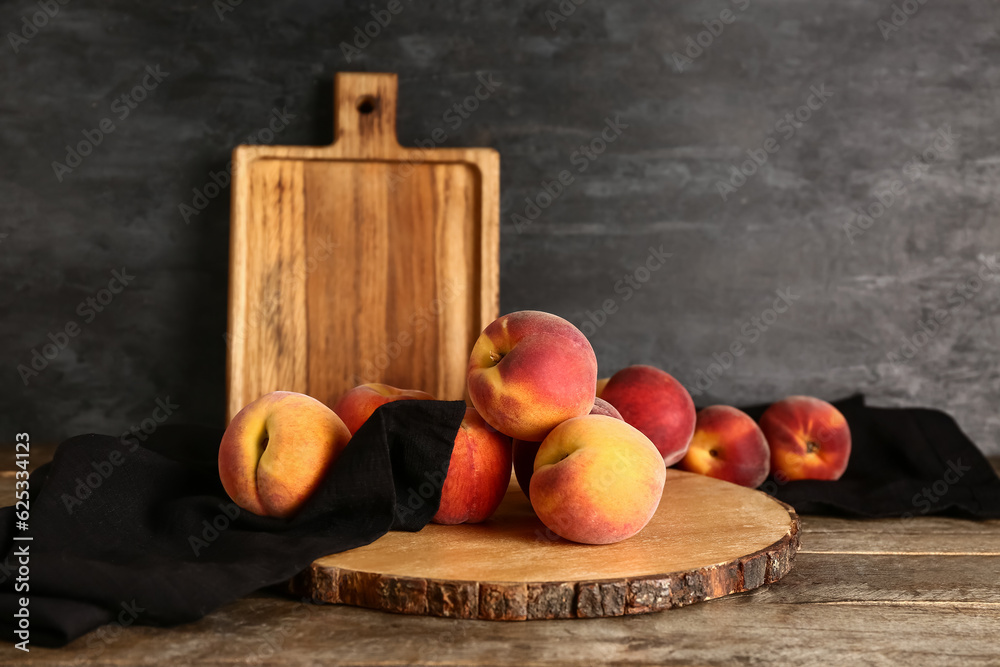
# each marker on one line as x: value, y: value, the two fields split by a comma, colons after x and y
x: 366, y: 105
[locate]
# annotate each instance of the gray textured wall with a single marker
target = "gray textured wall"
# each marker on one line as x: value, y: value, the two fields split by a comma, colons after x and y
x: 909, y: 111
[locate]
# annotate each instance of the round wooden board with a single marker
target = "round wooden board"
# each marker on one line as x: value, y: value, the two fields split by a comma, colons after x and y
x: 708, y: 539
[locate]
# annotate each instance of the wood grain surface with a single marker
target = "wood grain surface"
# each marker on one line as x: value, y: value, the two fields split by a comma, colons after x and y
x: 362, y: 261
x: 707, y: 540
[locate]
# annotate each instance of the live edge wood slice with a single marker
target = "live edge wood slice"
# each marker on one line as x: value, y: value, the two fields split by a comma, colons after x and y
x: 362, y: 261
x: 708, y: 539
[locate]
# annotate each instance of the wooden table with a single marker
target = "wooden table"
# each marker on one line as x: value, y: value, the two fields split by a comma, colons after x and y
x: 881, y: 592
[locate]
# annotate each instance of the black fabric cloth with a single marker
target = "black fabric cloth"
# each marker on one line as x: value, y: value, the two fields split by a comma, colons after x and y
x: 905, y: 462
x: 143, y: 532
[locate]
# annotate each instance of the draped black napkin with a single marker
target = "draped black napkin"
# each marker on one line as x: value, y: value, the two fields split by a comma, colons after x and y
x: 905, y: 462
x: 143, y: 532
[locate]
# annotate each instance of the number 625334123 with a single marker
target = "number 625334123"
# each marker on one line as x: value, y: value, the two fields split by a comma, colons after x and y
x: 22, y: 452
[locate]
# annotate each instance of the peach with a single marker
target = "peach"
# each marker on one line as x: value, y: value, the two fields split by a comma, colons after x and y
x: 656, y: 404
x: 601, y: 384
x: 808, y: 437
x: 358, y: 404
x: 602, y: 407
x: 276, y: 451
x: 596, y: 480
x: 529, y: 371
x: 728, y: 445
x: 524, y: 451
x: 523, y: 454
x: 478, y: 474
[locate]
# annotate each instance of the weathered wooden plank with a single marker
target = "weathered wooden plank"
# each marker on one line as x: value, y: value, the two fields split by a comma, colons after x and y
x: 814, y: 524
x: 745, y: 628
x: 918, y: 535
x: 888, y: 578
x: 912, y: 542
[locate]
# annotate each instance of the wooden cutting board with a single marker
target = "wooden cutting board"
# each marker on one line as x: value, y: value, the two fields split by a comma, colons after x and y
x: 708, y: 539
x: 362, y: 261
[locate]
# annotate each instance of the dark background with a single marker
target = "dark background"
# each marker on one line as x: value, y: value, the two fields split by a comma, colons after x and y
x: 858, y: 297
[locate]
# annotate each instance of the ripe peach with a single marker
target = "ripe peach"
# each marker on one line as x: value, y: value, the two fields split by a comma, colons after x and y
x: 601, y: 384
x: 524, y: 451
x: 597, y: 480
x: 656, y: 404
x: 358, y: 404
x: 808, y: 437
x: 478, y: 475
x: 530, y: 371
x: 728, y: 445
x: 276, y: 451
x: 602, y: 407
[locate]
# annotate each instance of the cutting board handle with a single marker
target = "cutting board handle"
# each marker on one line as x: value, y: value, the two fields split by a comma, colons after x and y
x: 365, y: 115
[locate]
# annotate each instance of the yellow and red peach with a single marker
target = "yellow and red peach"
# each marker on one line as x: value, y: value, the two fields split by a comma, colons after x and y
x: 524, y: 451
x: 596, y: 480
x: 808, y: 438
x: 478, y: 474
x: 277, y: 450
x: 529, y: 371
x: 656, y: 404
x: 728, y: 445
x: 358, y: 404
